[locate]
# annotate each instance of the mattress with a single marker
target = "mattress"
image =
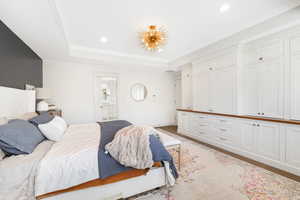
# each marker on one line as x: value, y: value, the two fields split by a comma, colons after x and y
x: 71, y: 161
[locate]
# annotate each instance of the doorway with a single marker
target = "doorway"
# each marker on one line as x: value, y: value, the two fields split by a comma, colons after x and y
x: 106, y: 97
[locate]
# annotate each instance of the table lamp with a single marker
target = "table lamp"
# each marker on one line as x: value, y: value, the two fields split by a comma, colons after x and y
x: 42, y: 94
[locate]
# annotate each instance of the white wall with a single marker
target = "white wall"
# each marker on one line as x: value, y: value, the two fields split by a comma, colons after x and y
x: 72, y: 87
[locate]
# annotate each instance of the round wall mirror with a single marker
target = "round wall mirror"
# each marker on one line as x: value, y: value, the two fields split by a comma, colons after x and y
x: 138, y: 92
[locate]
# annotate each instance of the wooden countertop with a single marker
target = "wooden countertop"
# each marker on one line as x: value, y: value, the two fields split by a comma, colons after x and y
x: 276, y: 120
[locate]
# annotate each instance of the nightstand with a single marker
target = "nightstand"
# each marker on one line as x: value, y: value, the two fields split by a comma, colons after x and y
x: 56, y: 112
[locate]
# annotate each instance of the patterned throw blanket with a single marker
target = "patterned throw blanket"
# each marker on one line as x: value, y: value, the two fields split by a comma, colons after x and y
x: 131, y: 147
x: 109, y: 166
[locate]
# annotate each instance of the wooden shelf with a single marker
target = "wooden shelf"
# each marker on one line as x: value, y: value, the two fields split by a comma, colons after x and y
x: 276, y: 120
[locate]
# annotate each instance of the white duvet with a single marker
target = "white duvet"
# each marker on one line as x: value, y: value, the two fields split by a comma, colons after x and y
x: 71, y: 161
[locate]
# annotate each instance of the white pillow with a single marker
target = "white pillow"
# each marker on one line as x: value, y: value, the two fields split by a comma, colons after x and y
x: 2, y: 154
x: 55, y: 129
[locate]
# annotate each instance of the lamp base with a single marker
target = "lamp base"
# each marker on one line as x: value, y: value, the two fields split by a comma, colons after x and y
x: 42, y: 106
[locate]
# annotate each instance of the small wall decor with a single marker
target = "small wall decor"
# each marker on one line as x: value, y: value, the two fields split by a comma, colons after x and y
x: 139, y: 92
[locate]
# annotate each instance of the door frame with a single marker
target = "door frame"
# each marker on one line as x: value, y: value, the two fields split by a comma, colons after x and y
x: 97, y: 74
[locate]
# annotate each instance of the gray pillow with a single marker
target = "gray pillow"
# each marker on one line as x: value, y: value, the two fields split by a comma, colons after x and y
x: 43, y: 118
x: 19, y: 137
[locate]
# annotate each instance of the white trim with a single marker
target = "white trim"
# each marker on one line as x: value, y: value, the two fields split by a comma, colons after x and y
x: 101, y: 74
x: 58, y: 19
x: 78, y: 51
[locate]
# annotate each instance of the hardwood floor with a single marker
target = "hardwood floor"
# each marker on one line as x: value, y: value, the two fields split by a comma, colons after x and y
x: 173, y: 130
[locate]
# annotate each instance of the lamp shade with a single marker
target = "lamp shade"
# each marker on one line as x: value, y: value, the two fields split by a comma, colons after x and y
x: 43, y: 93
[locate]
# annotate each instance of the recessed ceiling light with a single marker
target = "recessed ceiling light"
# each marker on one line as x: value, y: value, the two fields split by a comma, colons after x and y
x: 103, y: 40
x: 224, y: 8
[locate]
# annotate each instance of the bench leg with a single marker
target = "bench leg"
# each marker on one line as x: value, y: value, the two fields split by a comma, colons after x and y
x: 179, y: 157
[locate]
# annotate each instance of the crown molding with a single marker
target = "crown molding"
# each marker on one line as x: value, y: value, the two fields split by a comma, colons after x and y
x: 285, y: 20
x: 77, y: 51
x: 58, y: 20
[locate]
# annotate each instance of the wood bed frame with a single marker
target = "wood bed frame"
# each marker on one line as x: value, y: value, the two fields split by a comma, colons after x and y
x: 16, y: 102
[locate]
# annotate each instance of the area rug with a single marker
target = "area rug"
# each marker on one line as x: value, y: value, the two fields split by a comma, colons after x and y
x: 207, y: 174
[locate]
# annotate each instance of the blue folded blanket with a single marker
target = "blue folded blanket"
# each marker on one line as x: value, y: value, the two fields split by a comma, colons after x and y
x: 108, y: 166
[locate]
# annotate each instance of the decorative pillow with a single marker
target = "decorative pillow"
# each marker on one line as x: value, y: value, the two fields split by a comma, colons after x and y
x: 43, y: 118
x: 19, y: 137
x: 2, y: 155
x: 3, y: 120
x: 55, y: 129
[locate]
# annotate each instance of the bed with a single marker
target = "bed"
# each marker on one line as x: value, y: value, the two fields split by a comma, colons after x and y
x: 69, y: 169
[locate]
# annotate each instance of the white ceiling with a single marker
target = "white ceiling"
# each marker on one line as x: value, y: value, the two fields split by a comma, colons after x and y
x: 60, y: 29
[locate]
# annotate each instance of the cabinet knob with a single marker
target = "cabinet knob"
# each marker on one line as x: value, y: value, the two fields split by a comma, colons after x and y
x: 263, y: 113
x: 210, y: 68
x: 258, y: 125
x: 258, y: 113
x: 261, y: 58
x: 253, y: 124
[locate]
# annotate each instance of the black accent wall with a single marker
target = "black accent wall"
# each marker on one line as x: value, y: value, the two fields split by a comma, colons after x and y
x: 19, y: 65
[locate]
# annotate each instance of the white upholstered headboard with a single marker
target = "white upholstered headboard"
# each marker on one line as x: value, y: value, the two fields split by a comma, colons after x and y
x: 15, y: 102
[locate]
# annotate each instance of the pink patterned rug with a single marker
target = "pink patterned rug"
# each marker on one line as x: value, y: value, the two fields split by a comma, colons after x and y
x: 207, y: 174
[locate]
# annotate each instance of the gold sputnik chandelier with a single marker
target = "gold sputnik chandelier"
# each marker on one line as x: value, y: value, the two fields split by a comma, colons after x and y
x: 153, y: 38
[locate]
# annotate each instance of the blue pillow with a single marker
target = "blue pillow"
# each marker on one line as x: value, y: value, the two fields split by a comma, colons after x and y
x: 19, y: 137
x: 43, y: 118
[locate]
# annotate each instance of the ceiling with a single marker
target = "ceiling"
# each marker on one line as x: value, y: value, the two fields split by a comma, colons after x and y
x: 61, y: 29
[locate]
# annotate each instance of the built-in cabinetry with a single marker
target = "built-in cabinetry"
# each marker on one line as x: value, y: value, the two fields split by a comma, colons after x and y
x: 294, y: 46
x: 259, y: 77
x: 214, y: 84
x: 262, y: 79
x: 257, y: 80
x: 186, y: 85
x: 275, y: 144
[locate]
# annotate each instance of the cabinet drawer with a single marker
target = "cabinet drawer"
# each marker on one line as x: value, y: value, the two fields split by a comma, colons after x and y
x: 201, y: 133
x: 199, y: 118
x: 223, y: 123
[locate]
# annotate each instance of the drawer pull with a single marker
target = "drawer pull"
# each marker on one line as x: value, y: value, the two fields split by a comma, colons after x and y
x: 201, y: 133
x: 224, y: 139
x: 222, y: 129
x: 223, y: 120
x: 201, y: 125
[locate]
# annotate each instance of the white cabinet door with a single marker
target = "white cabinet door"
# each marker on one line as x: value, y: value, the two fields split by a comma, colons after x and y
x: 267, y: 140
x: 292, y: 142
x: 201, y: 88
x: 179, y: 121
x: 295, y: 87
x: 223, y: 90
x: 247, y: 130
x: 262, y: 80
x: 271, y: 89
x: 250, y: 90
x: 185, y: 123
x: 186, y: 87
